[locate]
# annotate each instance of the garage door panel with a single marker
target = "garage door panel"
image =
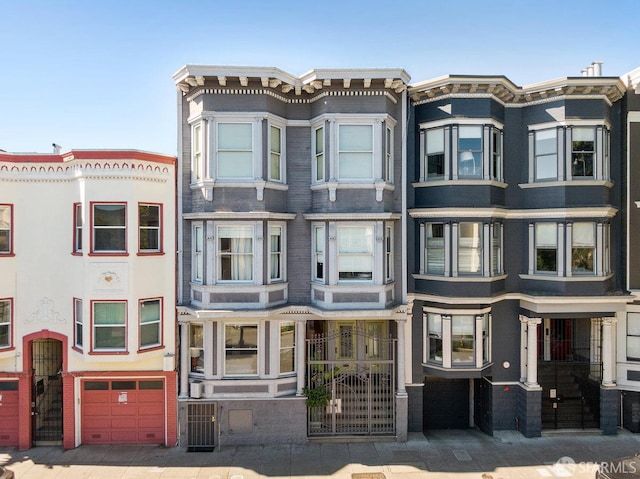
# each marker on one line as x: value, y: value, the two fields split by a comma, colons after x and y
x: 124, y: 414
x: 9, y: 416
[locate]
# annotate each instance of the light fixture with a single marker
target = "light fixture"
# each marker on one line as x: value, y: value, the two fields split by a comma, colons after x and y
x: 506, y: 364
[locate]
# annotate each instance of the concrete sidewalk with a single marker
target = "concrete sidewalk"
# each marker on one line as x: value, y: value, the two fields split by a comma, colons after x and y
x: 439, y: 454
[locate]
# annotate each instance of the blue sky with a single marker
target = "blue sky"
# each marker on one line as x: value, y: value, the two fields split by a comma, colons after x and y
x: 97, y: 74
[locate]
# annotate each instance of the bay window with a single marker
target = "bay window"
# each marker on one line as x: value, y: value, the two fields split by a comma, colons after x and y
x: 234, y: 151
x: 198, y: 259
x: 196, y: 347
x: 583, y: 247
x: 318, y: 253
x: 355, y: 253
x: 583, y: 140
x: 355, y: 152
x: 276, y: 165
x: 241, y: 349
x: 318, y: 158
x: 388, y: 157
x: 456, y: 340
x: 435, y: 153
x: 5, y: 323
x: 470, y: 151
x: 109, y: 227
x: 275, y: 253
x: 546, y: 154
x: 196, y: 153
x: 460, y: 249
x: 109, y: 325
x: 149, y: 234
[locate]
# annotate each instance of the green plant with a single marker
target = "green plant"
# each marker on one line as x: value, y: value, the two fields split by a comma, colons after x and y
x: 317, y: 397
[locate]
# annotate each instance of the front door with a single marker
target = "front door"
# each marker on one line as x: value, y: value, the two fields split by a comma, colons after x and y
x: 46, y: 401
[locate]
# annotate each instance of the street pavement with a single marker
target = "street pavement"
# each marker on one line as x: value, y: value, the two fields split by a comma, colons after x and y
x: 435, y: 454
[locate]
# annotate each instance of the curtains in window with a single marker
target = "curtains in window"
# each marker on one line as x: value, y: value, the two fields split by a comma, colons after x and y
x: 355, y: 252
x: 236, y: 253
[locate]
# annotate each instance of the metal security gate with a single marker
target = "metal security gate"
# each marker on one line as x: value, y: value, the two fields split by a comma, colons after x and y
x: 47, y: 392
x: 201, y: 430
x: 350, y: 393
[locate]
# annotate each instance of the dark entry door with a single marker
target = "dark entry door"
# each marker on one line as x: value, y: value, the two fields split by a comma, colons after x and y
x: 446, y: 403
x: 47, y: 392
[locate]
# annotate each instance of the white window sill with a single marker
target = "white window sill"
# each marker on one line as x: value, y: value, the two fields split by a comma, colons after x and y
x: 207, y: 186
x: 460, y: 279
x: 566, y: 279
x: 553, y: 183
x: 459, y: 182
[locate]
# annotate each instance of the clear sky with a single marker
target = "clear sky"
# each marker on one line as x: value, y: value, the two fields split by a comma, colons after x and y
x: 96, y: 74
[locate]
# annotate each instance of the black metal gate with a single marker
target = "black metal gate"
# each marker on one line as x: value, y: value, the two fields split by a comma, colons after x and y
x: 201, y: 430
x: 347, y: 394
x: 47, y: 392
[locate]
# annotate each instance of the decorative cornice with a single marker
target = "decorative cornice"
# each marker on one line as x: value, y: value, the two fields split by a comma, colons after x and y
x: 510, y: 95
x: 503, y: 213
x: 239, y: 215
x: 352, y: 216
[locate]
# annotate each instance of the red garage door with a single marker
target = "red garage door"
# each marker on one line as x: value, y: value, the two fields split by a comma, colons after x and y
x: 123, y: 411
x: 9, y: 413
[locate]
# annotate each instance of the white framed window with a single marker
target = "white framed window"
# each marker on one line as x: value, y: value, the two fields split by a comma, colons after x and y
x: 583, y: 247
x: 109, y: 227
x: 355, y: 152
x: 78, y: 330
x: 546, y: 154
x: 6, y: 324
x: 149, y: 228
x: 633, y: 336
x: 434, y: 156
x: 196, y: 153
x: 197, y: 253
x: 583, y: 151
x: 388, y: 253
x: 496, y: 249
x: 6, y: 221
x: 150, y: 313
x: 234, y: 150
x: 546, y: 238
x: 196, y: 347
x: 319, y: 240
x: 276, y: 244
x: 470, y: 150
x: 235, y: 253
x: 355, y: 252
x: 241, y: 349
x: 77, y: 228
x: 470, y: 248
x: 388, y: 157
x: 318, y: 157
x: 109, y: 325
x: 287, y: 347
x: 496, y: 154
x: 276, y: 159
x: 435, y: 249
x: 457, y: 340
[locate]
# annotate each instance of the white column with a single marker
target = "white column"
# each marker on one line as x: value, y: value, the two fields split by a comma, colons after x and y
x: 184, y: 360
x: 608, y: 360
x: 301, y: 352
x: 532, y: 352
x: 446, y: 341
x: 523, y: 348
x: 400, y: 390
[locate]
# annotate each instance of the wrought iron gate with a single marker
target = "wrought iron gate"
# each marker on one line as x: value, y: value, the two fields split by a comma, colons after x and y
x: 47, y: 392
x: 347, y: 394
x: 201, y: 427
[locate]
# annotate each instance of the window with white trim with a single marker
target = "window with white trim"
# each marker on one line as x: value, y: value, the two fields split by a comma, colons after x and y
x: 149, y: 225
x: 355, y: 252
x: 109, y: 325
x: 150, y: 323
x: 587, y: 251
x: 275, y: 253
x: 388, y: 157
x: 633, y: 336
x: 276, y: 164
x: 77, y: 228
x: 287, y: 347
x: 572, y: 152
x: 109, y: 227
x: 196, y: 153
x: 456, y: 340
x: 355, y: 152
x: 241, y: 349
x: 198, y: 249
x: 319, y: 241
x: 465, y: 248
x: 388, y: 253
x: 234, y: 150
x: 235, y: 253
x: 5, y: 323
x: 318, y: 158
x: 78, y: 329
x: 471, y: 151
x: 196, y: 347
